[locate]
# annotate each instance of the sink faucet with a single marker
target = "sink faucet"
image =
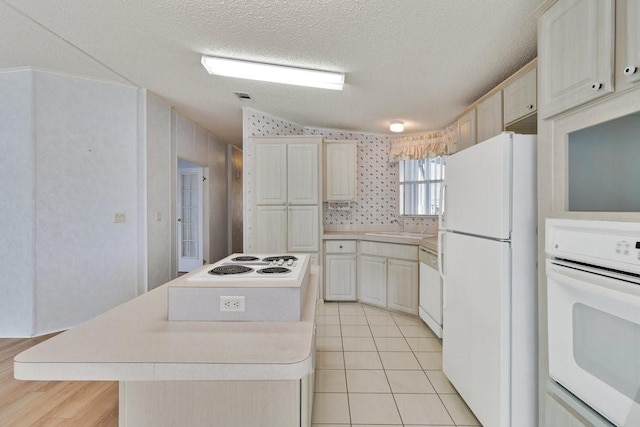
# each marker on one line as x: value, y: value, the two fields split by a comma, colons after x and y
x: 400, y: 222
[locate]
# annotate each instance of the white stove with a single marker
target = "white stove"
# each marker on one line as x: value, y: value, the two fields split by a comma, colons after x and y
x: 242, y: 287
x: 254, y: 269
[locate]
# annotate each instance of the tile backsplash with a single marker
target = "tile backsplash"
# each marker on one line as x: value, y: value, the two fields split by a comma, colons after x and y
x: 377, y: 196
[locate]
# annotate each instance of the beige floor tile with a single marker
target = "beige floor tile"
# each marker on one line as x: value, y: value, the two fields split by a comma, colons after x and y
x: 391, y: 344
x: 381, y: 320
x: 416, y: 331
x: 328, y: 320
x: 430, y: 360
x: 424, y: 344
x: 375, y: 311
x: 399, y: 360
x: 330, y: 408
x: 385, y: 331
x: 328, y: 344
x: 330, y: 381
x: 358, y: 344
x: 356, y: 331
x: 373, y: 408
x: 328, y: 331
x: 407, y: 320
x: 367, y: 381
x: 440, y: 382
x: 351, y: 309
x: 353, y: 320
x: 459, y: 410
x: 362, y: 360
x: 422, y: 409
x: 409, y: 382
x: 327, y: 309
x: 329, y: 360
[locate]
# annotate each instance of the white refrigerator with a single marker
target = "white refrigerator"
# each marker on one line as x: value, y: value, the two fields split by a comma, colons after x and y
x: 488, y: 263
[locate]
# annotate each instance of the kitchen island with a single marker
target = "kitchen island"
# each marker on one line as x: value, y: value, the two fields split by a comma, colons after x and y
x: 184, y: 372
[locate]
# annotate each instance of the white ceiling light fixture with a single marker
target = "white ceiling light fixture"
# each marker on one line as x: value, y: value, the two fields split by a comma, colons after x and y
x: 396, y: 126
x: 273, y: 73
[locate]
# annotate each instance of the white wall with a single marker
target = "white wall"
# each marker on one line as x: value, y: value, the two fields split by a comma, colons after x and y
x: 86, y: 171
x: 158, y: 194
x: 17, y: 204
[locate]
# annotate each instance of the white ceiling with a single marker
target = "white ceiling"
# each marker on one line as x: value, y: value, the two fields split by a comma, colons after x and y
x: 420, y: 61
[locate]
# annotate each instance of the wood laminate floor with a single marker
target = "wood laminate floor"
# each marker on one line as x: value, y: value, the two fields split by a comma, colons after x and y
x: 52, y: 403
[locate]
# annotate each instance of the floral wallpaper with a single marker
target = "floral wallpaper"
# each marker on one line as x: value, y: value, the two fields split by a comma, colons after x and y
x: 377, y: 196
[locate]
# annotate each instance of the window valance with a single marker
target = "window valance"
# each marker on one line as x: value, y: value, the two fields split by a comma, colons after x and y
x: 432, y: 144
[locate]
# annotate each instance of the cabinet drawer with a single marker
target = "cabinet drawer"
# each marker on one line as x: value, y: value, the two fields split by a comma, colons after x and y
x: 340, y: 246
x: 390, y: 250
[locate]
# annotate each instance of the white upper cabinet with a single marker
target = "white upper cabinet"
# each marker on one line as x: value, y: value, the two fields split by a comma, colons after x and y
x: 489, y: 117
x: 576, y: 53
x: 302, y: 171
x: 520, y: 98
x: 271, y: 174
x: 466, y: 131
x: 627, y: 43
x: 340, y: 171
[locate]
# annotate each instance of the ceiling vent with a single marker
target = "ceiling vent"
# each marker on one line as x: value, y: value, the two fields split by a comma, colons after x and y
x: 242, y: 96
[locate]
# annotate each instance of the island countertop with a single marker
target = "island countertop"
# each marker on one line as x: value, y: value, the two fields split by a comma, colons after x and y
x: 136, y: 342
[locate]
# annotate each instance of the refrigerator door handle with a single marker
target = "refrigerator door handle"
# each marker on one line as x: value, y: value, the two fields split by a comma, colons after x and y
x: 442, y: 201
x: 440, y: 254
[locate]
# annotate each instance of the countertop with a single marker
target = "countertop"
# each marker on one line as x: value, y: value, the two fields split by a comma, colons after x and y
x: 430, y: 241
x: 136, y: 342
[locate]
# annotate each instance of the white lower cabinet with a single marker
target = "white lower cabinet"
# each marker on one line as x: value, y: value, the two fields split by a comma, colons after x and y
x: 402, y: 285
x: 372, y: 279
x: 388, y: 276
x: 340, y: 276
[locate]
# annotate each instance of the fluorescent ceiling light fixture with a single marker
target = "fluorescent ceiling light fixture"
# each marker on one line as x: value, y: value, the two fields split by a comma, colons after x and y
x: 273, y: 73
x: 396, y: 126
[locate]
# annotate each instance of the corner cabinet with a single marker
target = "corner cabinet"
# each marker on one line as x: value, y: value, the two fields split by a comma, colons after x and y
x: 283, y: 185
x: 340, y: 270
x: 340, y: 160
x: 576, y: 54
x: 489, y: 117
x: 388, y: 276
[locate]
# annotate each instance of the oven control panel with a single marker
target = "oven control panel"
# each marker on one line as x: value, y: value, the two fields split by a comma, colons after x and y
x: 605, y: 243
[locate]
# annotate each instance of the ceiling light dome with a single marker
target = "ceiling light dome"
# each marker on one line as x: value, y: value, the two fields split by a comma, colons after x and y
x: 396, y: 126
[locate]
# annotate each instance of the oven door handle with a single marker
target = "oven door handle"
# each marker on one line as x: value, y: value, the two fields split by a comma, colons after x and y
x: 600, y: 282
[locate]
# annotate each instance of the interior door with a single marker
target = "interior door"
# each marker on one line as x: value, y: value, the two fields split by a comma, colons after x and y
x: 190, y: 221
x: 476, y: 334
x: 478, y: 189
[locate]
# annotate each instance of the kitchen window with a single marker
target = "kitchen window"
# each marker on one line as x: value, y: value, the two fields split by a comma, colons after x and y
x: 421, y: 185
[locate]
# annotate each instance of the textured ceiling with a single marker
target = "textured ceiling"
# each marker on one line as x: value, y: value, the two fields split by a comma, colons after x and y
x: 420, y: 61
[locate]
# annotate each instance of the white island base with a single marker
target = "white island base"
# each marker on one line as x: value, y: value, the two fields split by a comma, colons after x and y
x: 188, y: 373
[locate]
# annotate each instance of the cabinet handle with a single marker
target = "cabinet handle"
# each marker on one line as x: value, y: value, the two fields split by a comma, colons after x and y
x: 340, y: 246
x: 596, y: 86
x: 530, y: 107
x: 630, y: 70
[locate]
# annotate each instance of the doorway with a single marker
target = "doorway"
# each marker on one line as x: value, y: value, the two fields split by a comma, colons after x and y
x: 190, y: 212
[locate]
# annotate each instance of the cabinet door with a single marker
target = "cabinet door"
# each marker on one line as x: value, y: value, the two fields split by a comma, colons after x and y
x: 372, y: 280
x: 340, y: 276
x: 628, y: 43
x: 340, y: 172
x: 302, y: 165
x: 489, y: 117
x: 520, y: 98
x: 303, y: 228
x: 402, y: 285
x: 271, y: 229
x: 575, y: 54
x: 466, y: 130
x: 271, y: 174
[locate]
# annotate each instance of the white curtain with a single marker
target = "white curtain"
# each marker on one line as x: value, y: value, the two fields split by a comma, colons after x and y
x: 432, y: 144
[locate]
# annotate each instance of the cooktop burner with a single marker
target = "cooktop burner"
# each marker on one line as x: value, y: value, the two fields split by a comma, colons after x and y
x: 282, y: 257
x: 245, y: 258
x: 230, y: 269
x: 273, y: 270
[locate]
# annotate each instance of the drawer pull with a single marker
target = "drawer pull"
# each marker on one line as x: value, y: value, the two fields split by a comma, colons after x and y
x: 630, y: 70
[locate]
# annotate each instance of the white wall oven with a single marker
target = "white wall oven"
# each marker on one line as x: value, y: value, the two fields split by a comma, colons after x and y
x: 593, y: 292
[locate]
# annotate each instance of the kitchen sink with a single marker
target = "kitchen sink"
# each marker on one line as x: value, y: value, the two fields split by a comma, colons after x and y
x: 405, y: 235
